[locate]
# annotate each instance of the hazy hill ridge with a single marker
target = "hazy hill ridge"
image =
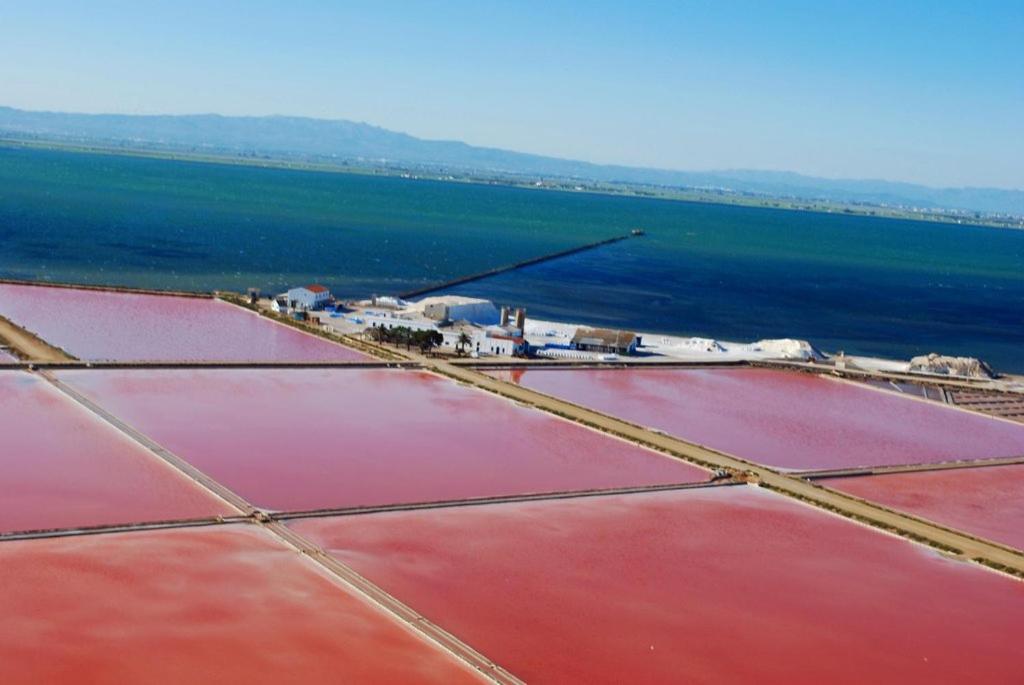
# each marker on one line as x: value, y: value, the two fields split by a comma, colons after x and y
x: 346, y: 140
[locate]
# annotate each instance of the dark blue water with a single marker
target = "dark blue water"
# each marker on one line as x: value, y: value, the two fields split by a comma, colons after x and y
x: 865, y: 285
x: 883, y: 307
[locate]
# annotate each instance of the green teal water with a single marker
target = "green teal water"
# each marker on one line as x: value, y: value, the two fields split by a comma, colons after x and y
x: 871, y: 286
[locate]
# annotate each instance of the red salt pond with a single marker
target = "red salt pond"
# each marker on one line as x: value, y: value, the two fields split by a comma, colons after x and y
x: 713, y: 585
x: 986, y: 501
x: 98, y: 325
x: 225, y: 604
x: 61, y: 467
x: 297, y: 439
x: 785, y: 419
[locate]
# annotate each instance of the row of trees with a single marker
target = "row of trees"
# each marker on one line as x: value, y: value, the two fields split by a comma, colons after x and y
x: 403, y: 335
x: 424, y: 340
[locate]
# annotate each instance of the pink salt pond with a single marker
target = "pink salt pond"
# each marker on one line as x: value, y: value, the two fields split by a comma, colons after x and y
x: 986, y: 501
x: 217, y: 605
x: 62, y: 467
x: 708, y: 585
x: 96, y: 325
x: 785, y: 419
x: 300, y: 439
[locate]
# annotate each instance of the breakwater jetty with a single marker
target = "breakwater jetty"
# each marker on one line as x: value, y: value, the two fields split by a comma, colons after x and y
x: 419, y: 292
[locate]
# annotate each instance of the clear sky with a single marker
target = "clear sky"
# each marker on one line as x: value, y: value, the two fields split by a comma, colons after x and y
x: 930, y: 92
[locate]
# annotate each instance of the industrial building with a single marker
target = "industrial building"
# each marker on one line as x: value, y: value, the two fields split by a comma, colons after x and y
x: 490, y: 331
x: 308, y: 298
x: 605, y: 341
x: 484, y: 341
x: 451, y: 308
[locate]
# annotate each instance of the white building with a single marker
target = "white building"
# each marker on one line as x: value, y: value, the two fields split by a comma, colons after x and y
x: 484, y: 341
x: 387, y: 319
x: 452, y: 316
x: 456, y: 308
x: 280, y: 304
x: 311, y: 297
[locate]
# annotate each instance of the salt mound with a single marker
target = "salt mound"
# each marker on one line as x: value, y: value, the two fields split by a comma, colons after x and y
x: 787, y: 348
x: 969, y: 367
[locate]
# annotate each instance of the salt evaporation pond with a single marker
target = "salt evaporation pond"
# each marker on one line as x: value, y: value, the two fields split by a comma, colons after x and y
x: 297, y: 439
x: 986, y: 501
x: 226, y: 604
x: 780, y: 418
x: 712, y: 585
x: 99, y: 325
x: 62, y: 467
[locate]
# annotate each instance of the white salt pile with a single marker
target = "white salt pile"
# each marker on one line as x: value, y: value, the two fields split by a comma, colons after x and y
x: 540, y: 333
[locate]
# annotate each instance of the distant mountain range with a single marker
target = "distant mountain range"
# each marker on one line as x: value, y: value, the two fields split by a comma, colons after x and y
x: 339, y: 140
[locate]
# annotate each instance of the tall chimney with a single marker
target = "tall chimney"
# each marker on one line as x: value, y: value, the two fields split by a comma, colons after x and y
x: 521, y: 319
x: 504, y: 316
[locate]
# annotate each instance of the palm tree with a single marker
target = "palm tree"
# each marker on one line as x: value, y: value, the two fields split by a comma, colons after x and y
x: 464, y: 340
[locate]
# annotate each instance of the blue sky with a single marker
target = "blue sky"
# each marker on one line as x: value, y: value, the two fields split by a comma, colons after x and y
x: 929, y: 92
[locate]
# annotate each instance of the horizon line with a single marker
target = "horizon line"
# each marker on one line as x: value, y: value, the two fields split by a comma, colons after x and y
x: 711, y: 171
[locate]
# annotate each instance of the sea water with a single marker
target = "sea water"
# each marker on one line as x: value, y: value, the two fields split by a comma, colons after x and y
x: 862, y: 284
